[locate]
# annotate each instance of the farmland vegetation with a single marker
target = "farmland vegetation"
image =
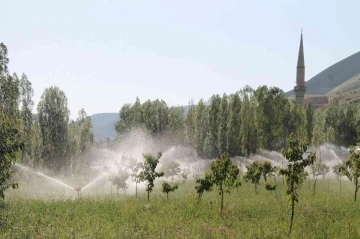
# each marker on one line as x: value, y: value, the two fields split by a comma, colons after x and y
x: 215, y: 171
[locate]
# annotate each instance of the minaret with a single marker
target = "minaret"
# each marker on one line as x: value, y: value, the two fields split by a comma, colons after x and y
x: 300, y: 87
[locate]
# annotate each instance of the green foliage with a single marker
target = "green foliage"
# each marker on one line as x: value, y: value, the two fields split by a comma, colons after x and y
x: 148, y: 173
x: 233, y: 141
x: 258, y: 169
x: 26, y: 107
x: 295, y: 172
x: 203, y: 185
x: 53, y: 116
x: 351, y: 168
x: 336, y: 170
x: 254, y: 173
x: 4, y: 60
x: 10, y: 146
x: 167, y: 188
x: 119, y: 179
x: 223, y: 174
x: 184, y: 174
x: 319, y: 168
x: 309, y: 122
x: 135, y: 174
x: 171, y: 169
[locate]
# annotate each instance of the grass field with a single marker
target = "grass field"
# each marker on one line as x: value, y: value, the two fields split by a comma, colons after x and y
x: 330, y: 214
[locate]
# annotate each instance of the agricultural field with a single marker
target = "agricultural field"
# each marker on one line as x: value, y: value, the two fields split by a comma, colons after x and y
x: 331, y: 213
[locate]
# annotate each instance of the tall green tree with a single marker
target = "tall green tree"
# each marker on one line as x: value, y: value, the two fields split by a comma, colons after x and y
x: 223, y: 124
x: 210, y: 148
x: 26, y: 107
x: 53, y: 116
x: 233, y: 140
x: 4, y: 60
x: 10, y: 147
x: 270, y: 104
x: 201, y: 127
x: 309, y: 122
x: 190, y: 121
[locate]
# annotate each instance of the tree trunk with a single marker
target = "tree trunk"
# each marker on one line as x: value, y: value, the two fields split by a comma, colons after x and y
x: 340, y: 182
x: 292, y: 214
x: 314, y: 185
x: 148, y: 191
x: 136, y: 189
x: 167, y: 195
x: 356, y: 188
x: 222, y: 201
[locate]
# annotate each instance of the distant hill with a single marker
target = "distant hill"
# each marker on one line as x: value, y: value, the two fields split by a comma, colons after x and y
x: 104, y: 124
x: 339, y: 78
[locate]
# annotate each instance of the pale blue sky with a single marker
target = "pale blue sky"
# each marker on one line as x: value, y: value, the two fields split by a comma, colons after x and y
x: 103, y: 54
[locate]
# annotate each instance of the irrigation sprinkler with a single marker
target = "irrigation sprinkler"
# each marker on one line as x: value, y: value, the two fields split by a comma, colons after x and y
x: 78, y: 191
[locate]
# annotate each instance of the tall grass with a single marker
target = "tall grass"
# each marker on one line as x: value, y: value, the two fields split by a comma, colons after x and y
x: 330, y: 214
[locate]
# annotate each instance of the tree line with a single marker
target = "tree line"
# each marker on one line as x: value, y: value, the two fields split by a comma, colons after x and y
x: 244, y: 122
x: 48, y: 138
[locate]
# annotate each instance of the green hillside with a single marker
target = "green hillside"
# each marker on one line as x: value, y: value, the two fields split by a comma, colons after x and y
x: 349, y: 85
x: 104, y: 125
x: 340, y: 77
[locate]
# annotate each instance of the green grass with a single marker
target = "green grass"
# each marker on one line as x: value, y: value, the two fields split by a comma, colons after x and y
x: 330, y: 214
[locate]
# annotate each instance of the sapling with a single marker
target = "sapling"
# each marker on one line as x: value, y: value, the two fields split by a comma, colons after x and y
x: 316, y: 169
x: 267, y: 170
x: 351, y: 168
x: 295, y: 173
x: 336, y: 171
x: 148, y: 173
x: 167, y: 188
x: 223, y: 174
x: 253, y: 174
x: 135, y: 175
x: 171, y: 169
x: 184, y: 174
x: 119, y: 180
x: 203, y: 185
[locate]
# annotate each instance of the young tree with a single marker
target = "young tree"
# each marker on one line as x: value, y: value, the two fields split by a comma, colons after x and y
x: 135, y: 175
x: 171, y: 169
x: 224, y: 174
x: 203, y: 185
x: 316, y: 169
x: 253, y: 174
x: 167, y: 188
x: 184, y: 174
x: 351, y: 168
x: 148, y: 173
x: 336, y: 171
x: 119, y: 180
x: 295, y: 172
x: 10, y: 146
x: 268, y: 170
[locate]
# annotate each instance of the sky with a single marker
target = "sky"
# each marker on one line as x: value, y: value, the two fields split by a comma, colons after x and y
x: 103, y: 54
